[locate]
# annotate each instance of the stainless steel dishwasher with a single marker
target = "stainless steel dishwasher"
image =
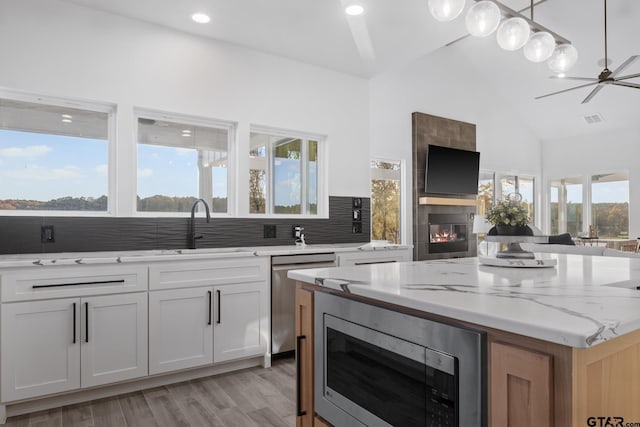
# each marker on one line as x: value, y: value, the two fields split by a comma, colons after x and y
x: 283, y: 297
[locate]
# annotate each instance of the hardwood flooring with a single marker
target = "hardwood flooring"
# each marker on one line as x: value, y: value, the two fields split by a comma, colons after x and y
x: 255, y: 397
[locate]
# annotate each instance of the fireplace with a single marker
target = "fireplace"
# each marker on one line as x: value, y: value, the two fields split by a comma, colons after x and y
x: 448, y: 233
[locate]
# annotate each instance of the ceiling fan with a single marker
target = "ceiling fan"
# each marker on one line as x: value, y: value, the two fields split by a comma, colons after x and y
x: 606, y: 77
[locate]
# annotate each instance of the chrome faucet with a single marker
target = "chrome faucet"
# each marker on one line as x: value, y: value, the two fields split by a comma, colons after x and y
x: 192, y: 228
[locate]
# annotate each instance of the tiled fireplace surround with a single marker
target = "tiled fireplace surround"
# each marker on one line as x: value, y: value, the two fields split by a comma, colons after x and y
x: 428, y: 129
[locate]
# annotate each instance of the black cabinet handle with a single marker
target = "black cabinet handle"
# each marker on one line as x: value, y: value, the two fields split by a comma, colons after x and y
x: 74, y: 323
x: 219, y: 314
x: 299, y: 410
x: 210, y: 294
x: 57, y: 285
x: 86, y: 321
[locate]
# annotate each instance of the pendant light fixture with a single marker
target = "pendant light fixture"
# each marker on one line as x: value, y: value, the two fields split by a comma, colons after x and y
x: 513, y: 33
x: 540, y: 45
x: 446, y: 10
x: 563, y: 58
x: 483, y: 18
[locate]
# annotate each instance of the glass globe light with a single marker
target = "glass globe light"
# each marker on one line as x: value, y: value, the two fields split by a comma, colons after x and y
x: 513, y: 33
x: 483, y: 18
x: 539, y: 47
x: 563, y: 58
x: 446, y: 10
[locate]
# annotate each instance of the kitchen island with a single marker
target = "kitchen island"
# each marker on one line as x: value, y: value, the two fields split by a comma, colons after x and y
x: 563, y: 343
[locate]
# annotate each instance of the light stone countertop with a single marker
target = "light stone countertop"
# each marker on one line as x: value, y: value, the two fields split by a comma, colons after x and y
x: 75, y: 258
x: 581, y: 302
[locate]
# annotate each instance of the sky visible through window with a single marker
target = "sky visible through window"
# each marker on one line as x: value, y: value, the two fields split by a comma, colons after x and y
x: 172, y: 171
x: 609, y: 192
x: 44, y: 167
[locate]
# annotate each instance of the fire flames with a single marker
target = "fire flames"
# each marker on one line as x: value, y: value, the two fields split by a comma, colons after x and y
x: 443, y: 237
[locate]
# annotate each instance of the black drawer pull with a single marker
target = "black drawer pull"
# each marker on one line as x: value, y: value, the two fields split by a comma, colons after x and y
x: 299, y: 410
x: 74, y: 323
x: 86, y: 321
x: 219, y: 314
x: 57, y: 285
x: 210, y: 295
x: 374, y: 262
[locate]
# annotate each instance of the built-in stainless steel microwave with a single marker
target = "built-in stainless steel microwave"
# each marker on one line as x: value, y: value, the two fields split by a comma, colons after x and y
x: 378, y: 367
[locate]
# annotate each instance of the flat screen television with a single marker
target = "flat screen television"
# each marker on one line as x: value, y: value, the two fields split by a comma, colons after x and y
x: 452, y: 171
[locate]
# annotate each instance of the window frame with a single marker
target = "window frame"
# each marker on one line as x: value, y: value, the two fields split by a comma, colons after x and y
x: 186, y: 119
x: 322, y: 207
x: 67, y: 102
x: 402, y: 236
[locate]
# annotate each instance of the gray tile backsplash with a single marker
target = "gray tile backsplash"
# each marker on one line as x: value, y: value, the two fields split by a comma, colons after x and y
x: 81, y: 234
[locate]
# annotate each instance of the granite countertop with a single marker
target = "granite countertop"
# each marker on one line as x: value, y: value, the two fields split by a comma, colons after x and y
x: 579, y: 303
x: 74, y: 258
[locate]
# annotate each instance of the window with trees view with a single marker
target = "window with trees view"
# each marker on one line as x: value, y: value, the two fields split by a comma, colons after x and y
x: 53, y: 157
x: 385, y: 200
x: 566, y: 206
x: 283, y: 173
x: 610, y: 205
x: 180, y: 160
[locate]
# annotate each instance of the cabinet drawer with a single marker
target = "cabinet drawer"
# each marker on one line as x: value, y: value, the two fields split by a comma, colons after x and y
x: 210, y: 272
x: 62, y: 282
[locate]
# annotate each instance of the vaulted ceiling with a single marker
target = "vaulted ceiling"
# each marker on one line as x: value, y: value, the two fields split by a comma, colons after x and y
x: 392, y: 34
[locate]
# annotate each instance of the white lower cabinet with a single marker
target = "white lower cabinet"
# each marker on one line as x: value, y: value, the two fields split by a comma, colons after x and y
x: 52, y: 346
x: 114, y: 345
x: 241, y: 321
x: 40, y: 348
x: 199, y: 326
x: 180, y: 329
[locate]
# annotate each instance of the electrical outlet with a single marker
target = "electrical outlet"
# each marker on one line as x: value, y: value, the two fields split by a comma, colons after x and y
x: 270, y: 231
x: 356, y: 228
x: 47, y: 234
x: 356, y: 202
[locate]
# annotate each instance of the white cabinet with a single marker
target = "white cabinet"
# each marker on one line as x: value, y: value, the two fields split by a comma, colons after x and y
x: 114, y: 345
x: 40, y: 348
x: 241, y: 321
x: 203, y: 312
x: 379, y: 256
x: 52, y: 346
x: 180, y: 329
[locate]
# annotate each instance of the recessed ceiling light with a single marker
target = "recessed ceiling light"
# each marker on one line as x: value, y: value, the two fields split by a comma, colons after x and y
x: 354, y: 10
x: 201, y: 18
x: 561, y: 75
x: 67, y: 116
x: 186, y: 131
x: 66, y: 120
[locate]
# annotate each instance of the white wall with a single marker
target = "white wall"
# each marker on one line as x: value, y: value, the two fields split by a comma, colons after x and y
x: 60, y: 49
x: 596, y: 153
x: 438, y: 84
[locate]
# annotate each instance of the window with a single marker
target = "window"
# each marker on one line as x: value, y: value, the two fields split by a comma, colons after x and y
x: 519, y: 184
x: 283, y: 173
x: 610, y: 205
x: 181, y: 159
x: 566, y: 206
x: 54, y: 157
x: 385, y: 200
x: 485, y: 192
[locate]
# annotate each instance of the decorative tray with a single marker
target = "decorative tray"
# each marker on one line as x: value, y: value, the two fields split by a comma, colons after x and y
x: 518, y: 262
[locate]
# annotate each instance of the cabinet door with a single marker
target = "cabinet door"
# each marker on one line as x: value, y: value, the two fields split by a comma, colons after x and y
x: 39, y: 355
x: 521, y: 387
x: 180, y: 329
x: 114, y: 338
x: 304, y: 358
x: 241, y: 321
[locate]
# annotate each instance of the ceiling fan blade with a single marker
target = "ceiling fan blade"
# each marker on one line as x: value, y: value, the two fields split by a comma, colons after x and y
x: 566, y: 90
x: 592, y: 94
x: 624, y: 65
x: 634, y: 85
x: 586, y: 79
x: 630, y: 76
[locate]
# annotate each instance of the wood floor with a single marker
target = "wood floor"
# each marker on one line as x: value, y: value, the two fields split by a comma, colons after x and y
x: 255, y: 397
